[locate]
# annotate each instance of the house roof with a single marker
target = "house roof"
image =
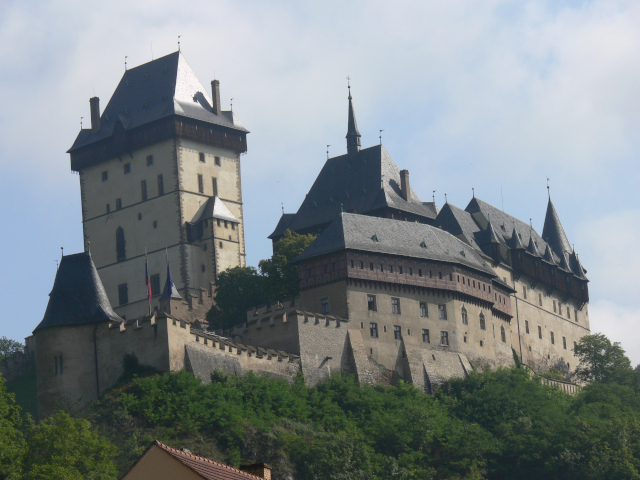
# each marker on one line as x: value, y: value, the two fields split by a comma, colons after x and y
x: 362, y: 182
x: 157, y: 89
x: 207, y: 469
x: 78, y: 296
x: 394, y: 237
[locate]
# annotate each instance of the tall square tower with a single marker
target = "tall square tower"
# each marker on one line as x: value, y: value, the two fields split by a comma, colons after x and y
x: 160, y: 179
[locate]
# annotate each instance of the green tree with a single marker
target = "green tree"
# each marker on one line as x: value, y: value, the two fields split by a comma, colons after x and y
x: 11, y: 438
x: 237, y: 290
x: 281, y: 276
x: 9, y: 347
x: 600, y: 360
x: 66, y: 448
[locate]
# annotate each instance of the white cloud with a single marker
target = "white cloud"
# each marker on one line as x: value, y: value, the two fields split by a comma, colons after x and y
x: 619, y: 324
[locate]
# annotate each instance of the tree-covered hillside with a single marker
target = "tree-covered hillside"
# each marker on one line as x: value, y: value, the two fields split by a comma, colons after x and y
x: 495, y: 425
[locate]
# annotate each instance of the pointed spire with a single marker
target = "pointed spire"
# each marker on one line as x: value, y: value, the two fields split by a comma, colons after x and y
x: 353, y: 135
x: 548, y: 256
x: 493, y: 235
x: 576, y: 266
x: 553, y: 233
x: 515, y: 242
x: 532, y: 247
x: 564, y: 264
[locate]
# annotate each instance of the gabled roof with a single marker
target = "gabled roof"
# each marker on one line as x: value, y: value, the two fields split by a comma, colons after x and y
x: 157, y: 89
x: 205, y: 468
x: 553, y: 233
x: 363, y: 182
x: 394, y: 237
x: 78, y: 296
x: 283, y: 224
x: 215, y: 208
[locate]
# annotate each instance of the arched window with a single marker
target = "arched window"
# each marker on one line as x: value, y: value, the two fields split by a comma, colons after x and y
x: 503, y: 335
x: 465, y: 319
x: 483, y: 324
x: 121, y: 245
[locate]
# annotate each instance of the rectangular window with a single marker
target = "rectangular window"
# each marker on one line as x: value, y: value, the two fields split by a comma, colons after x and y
x: 568, y: 313
x: 371, y: 266
x: 400, y: 270
x: 564, y: 342
x: 108, y: 208
x: 61, y: 365
x: 361, y: 265
x: 201, y: 157
x: 155, y: 284
x: 395, y: 306
x: 524, y: 292
x: 381, y: 268
x: 575, y: 314
x: 554, y: 306
x: 127, y: 168
x: 118, y: 203
x: 575, y: 344
x: 539, y: 332
x: 419, y: 272
x: 425, y: 335
x: 442, y: 311
x: 123, y: 294
x: 526, y: 326
x: 214, y: 182
x: 390, y: 268
x: 423, y: 310
x: 373, y: 329
x: 397, y: 332
x: 143, y: 190
x: 371, y: 303
x: 56, y: 363
x: 440, y: 275
x: 324, y: 305
x: 410, y: 271
x: 444, y: 338
x: 553, y: 340
x: 540, y: 299
x: 200, y: 184
x: 105, y: 176
x: 149, y: 160
x: 160, y: 185
x: 217, y: 161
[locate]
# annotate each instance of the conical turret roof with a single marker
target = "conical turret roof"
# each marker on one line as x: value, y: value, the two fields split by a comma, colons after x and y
x: 514, y: 241
x: 353, y: 134
x: 532, y: 247
x: 78, y: 296
x: 548, y: 255
x: 553, y: 233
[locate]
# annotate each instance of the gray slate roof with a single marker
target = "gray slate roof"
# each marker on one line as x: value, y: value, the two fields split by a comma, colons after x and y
x: 78, y: 296
x: 158, y: 89
x: 394, y: 237
x: 553, y: 232
x: 363, y: 182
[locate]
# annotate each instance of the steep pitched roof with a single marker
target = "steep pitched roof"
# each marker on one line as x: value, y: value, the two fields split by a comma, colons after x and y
x: 363, y: 182
x: 215, y: 208
x: 157, y: 89
x: 553, y: 233
x: 78, y: 296
x: 205, y: 468
x: 394, y: 237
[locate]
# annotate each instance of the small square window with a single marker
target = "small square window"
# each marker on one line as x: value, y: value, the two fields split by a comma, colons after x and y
x: 149, y: 160
x: 201, y: 157
x: 425, y: 335
x: 217, y: 161
x: 371, y: 303
x: 127, y: 168
x: 373, y: 329
x: 105, y: 176
x: 397, y: 332
x: 324, y: 305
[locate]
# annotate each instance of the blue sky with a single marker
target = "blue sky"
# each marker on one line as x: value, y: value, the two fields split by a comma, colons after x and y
x: 494, y: 95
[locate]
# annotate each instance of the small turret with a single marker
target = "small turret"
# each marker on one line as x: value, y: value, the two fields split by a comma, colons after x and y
x: 553, y: 233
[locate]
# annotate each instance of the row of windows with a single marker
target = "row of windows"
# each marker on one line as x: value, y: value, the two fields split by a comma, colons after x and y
x: 216, y: 160
x: 126, y: 168
x: 557, y: 306
x: 143, y: 193
x: 553, y: 339
x: 397, y: 333
x: 214, y: 184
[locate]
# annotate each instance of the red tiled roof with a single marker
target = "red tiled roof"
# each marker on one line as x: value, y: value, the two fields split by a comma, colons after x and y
x: 204, y: 467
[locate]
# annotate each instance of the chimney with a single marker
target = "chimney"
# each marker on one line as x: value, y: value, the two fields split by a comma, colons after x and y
x: 94, y: 103
x: 215, y: 96
x: 261, y: 470
x: 404, y: 184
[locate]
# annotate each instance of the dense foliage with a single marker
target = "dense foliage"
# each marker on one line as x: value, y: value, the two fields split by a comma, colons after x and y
x: 240, y: 288
x: 499, y: 424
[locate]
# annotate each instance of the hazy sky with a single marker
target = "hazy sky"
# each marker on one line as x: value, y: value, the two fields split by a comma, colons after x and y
x: 495, y: 95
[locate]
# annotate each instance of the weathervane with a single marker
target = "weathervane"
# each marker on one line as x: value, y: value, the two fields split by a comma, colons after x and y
x: 81, y: 122
x: 179, y: 42
x: 125, y: 61
x: 433, y: 196
x: 548, y: 188
x: 380, y: 136
x: 328, y: 151
x: 231, y: 103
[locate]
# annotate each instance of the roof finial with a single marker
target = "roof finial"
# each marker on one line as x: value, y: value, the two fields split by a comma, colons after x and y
x: 328, y: 151
x: 179, y: 42
x: 380, y: 136
x: 89, y: 247
x: 548, y: 189
x: 81, y: 122
x: 433, y: 196
x: 62, y: 251
x: 473, y: 191
x: 57, y: 265
x: 231, y: 102
x: 125, y: 62
x: 530, y: 223
x: 445, y: 198
x: 349, y: 85
x: 282, y: 205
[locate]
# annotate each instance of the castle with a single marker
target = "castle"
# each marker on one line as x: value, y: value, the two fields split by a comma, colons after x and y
x: 392, y: 288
